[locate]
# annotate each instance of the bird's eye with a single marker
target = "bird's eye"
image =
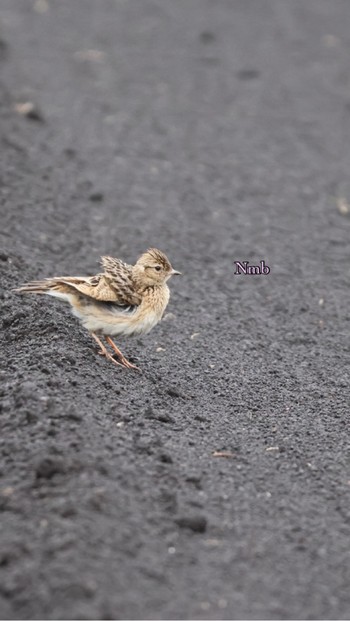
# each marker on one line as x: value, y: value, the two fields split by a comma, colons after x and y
x: 158, y: 268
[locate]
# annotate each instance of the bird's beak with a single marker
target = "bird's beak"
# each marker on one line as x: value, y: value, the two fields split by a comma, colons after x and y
x: 175, y: 273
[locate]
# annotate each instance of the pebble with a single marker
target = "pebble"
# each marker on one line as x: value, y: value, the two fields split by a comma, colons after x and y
x: 196, y: 523
x: 30, y: 111
x: 48, y: 467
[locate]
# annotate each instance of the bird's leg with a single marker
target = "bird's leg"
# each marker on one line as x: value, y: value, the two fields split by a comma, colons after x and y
x: 103, y: 351
x: 122, y: 358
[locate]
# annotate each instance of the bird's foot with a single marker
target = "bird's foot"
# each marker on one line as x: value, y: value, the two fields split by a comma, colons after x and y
x: 123, y: 361
x: 127, y: 364
x: 110, y: 357
x: 103, y: 351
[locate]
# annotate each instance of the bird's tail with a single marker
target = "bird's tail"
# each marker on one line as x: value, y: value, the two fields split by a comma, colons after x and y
x: 37, y: 286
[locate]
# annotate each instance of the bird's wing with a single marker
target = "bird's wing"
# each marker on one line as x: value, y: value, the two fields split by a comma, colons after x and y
x: 114, y: 285
x: 119, y: 277
x: 117, y: 268
x: 101, y: 288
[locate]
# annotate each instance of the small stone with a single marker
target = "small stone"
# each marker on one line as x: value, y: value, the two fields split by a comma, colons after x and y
x: 48, y: 467
x: 343, y: 206
x: 207, y: 37
x: 194, y: 479
x: 205, y: 605
x: 90, y: 55
x: 69, y: 152
x: 30, y: 111
x: 72, y: 414
x: 227, y: 454
x: 96, y: 197
x: 169, y: 317
x: 200, y: 418
x: 7, y: 492
x: 330, y: 40
x: 196, y: 523
x: 41, y: 6
x: 161, y: 416
x: 96, y: 502
x: 248, y: 74
x: 165, y: 458
x: 213, y: 543
x: 67, y: 510
x: 311, y: 466
x: 174, y: 392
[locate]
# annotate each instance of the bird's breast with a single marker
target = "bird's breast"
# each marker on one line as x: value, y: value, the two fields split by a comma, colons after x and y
x: 151, y: 309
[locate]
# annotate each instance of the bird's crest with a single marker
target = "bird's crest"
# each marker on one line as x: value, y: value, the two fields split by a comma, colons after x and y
x: 159, y: 257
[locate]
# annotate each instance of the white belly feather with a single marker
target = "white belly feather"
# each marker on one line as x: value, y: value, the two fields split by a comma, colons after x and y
x: 125, y: 327
x: 113, y: 321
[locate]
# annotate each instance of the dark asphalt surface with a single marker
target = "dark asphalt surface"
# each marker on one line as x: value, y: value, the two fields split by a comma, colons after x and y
x: 216, y: 131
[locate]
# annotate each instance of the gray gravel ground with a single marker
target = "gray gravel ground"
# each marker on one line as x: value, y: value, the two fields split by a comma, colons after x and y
x: 216, y: 131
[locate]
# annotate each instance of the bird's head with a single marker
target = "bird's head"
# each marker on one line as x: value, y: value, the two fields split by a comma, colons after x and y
x: 153, y: 268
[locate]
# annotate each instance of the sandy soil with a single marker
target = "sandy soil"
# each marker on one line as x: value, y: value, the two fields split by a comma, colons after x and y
x: 216, y: 131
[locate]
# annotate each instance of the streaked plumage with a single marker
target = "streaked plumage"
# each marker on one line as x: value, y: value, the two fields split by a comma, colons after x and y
x: 123, y: 299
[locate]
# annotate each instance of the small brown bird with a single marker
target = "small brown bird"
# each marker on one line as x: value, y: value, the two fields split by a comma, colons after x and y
x: 123, y: 299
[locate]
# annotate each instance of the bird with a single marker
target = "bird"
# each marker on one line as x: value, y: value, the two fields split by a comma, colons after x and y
x: 121, y: 300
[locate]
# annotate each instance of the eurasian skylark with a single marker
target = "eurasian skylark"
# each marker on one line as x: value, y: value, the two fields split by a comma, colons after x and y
x: 123, y: 299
